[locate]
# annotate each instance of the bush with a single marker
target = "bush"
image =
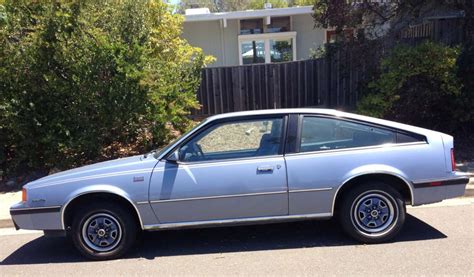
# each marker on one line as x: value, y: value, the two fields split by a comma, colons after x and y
x: 465, y: 65
x: 419, y: 85
x: 77, y: 77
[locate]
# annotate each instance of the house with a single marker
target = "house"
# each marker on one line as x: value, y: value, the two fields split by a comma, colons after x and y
x: 254, y: 36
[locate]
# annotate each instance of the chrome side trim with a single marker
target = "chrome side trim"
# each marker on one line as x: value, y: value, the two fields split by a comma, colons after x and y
x: 63, y: 209
x: 210, y: 223
x: 383, y: 146
x: 36, y: 208
x: 368, y: 173
x: 309, y: 190
x: 217, y: 197
x: 45, y: 210
x: 143, y: 202
x: 224, y: 162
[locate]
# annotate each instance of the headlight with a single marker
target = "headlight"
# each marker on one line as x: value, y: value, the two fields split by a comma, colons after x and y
x: 23, y: 195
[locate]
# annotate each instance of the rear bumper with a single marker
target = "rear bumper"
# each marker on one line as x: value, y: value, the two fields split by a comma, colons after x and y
x: 37, y: 218
x: 436, y: 190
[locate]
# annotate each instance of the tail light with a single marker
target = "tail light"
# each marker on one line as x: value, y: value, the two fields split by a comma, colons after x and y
x: 23, y: 195
x: 453, y: 161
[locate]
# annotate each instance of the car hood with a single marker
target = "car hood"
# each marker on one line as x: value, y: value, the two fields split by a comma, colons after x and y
x: 134, y: 163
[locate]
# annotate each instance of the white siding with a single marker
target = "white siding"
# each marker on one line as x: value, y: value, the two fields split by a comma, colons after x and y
x: 307, y: 36
x: 222, y: 43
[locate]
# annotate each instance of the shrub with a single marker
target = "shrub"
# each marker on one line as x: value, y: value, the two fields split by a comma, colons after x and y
x: 465, y: 108
x: 79, y: 76
x: 418, y: 85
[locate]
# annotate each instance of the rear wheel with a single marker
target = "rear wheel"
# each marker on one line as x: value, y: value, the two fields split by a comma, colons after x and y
x: 103, y: 231
x: 372, y: 212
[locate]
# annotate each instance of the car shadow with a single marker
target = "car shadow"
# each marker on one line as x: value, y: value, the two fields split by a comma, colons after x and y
x: 218, y: 240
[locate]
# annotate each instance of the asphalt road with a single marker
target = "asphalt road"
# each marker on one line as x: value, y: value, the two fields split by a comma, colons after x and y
x: 435, y: 241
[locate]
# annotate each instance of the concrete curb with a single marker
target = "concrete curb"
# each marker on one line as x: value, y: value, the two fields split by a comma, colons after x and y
x: 6, y: 223
x: 469, y: 189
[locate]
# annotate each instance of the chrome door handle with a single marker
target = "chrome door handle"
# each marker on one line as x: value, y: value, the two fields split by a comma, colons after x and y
x: 265, y: 169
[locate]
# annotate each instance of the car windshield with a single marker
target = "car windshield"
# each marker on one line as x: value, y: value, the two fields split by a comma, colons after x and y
x: 159, y: 151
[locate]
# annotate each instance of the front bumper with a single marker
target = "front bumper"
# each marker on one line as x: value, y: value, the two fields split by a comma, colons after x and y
x: 36, y: 218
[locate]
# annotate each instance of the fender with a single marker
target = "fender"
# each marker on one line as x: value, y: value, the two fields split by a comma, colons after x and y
x: 374, y: 169
x: 100, y: 188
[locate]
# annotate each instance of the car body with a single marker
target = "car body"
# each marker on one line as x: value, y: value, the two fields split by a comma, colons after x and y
x: 249, y: 167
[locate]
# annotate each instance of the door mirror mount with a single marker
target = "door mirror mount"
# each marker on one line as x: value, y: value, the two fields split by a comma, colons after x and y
x: 173, y: 157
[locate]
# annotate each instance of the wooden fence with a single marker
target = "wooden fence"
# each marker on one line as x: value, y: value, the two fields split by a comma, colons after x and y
x: 309, y: 83
x: 449, y: 31
x: 331, y: 82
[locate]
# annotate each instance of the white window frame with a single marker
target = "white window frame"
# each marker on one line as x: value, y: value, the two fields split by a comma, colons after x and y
x: 266, y: 37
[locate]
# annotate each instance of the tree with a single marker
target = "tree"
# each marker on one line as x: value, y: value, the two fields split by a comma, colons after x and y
x: 428, y: 84
x: 190, y: 4
x: 260, y: 4
x: 214, y: 5
x: 238, y: 5
x: 370, y: 15
x: 301, y: 3
x: 419, y: 86
x: 78, y: 78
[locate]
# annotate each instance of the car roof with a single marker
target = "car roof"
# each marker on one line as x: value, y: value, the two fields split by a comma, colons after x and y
x: 331, y: 112
x: 276, y: 111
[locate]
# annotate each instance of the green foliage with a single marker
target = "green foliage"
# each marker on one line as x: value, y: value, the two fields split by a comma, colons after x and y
x: 340, y: 14
x: 302, y: 2
x: 238, y: 5
x: 259, y: 4
x: 318, y: 52
x: 212, y: 5
x: 418, y: 85
x: 465, y: 73
x: 80, y: 76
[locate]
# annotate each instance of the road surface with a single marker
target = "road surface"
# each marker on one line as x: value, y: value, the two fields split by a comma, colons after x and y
x: 436, y: 240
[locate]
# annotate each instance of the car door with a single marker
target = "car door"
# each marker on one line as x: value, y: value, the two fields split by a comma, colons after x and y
x: 230, y: 169
x: 325, y: 152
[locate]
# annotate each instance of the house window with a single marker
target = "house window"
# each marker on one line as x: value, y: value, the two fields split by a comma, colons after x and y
x: 267, y: 48
x: 252, y: 51
x: 260, y: 42
x: 251, y: 26
x: 332, y: 36
x: 281, y: 50
x: 279, y: 24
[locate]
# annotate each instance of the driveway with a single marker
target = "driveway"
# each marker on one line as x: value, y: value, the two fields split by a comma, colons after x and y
x: 436, y: 240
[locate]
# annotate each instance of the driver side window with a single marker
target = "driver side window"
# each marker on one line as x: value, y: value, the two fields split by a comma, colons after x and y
x: 233, y: 140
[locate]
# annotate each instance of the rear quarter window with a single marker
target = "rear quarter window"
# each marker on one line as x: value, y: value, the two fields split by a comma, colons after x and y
x: 407, y: 138
x: 323, y: 133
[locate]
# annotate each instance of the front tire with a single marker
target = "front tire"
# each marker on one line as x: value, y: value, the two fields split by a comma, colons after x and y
x: 103, y: 231
x: 372, y: 212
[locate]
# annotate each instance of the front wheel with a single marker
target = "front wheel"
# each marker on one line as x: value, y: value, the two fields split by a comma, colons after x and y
x: 103, y: 231
x: 372, y: 212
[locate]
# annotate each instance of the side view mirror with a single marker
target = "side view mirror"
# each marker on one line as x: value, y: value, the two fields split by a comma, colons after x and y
x: 173, y: 157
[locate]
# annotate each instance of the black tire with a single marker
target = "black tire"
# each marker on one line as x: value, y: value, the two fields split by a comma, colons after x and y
x: 118, y: 224
x: 364, y: 208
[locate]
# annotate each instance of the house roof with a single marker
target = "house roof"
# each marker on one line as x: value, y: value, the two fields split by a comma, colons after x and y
x: 249, y: 14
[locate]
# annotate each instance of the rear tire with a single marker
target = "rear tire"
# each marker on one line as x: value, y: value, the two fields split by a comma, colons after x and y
x: 372, y: 212
x: 103, y: 231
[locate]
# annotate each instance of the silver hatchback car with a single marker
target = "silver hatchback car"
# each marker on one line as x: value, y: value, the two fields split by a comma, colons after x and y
x: 251, y: 167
